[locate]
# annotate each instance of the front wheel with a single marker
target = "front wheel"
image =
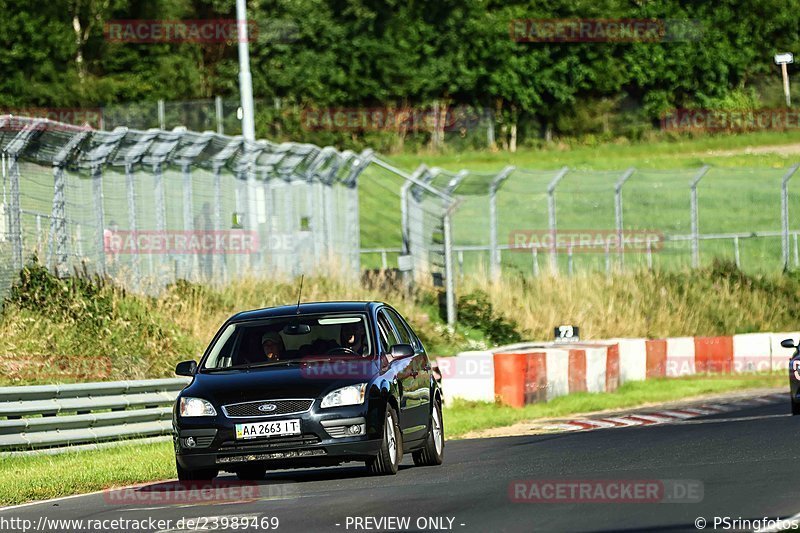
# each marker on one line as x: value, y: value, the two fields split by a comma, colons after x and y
x: 204, y: 474
x: 433, y: 452
x: 388, y: 459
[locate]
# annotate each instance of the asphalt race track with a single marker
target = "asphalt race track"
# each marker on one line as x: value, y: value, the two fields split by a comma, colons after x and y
x: 743, y: 462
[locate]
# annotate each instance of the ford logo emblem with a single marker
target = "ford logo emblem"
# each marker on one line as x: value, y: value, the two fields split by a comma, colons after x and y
x: 267, y: 407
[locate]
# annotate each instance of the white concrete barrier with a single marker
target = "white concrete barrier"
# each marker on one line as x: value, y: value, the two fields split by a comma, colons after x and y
x: 632, y: 359
x: 752, y: 352
x: 557, y: 361
x: 596, y: 368
x: 469, y: 376
x: 680, y: 356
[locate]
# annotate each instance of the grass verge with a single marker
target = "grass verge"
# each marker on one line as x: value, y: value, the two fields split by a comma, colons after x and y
x: 42, y: 477
x: 464, y: 417
x: 51, y: 476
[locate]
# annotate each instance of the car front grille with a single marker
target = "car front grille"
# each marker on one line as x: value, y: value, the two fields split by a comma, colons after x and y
x: 251, y: 409
x: 269, y: 443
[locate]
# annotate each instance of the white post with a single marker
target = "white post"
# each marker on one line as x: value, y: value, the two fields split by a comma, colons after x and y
x: 245, y: 79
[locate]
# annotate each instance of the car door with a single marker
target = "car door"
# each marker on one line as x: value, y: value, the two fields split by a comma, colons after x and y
x: 401, y: 369
x: 417, y: 383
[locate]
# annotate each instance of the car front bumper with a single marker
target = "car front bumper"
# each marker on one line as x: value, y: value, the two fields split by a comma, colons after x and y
x: 324, y: 439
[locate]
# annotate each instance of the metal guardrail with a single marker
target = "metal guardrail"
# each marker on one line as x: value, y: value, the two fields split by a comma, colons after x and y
x: 57, y: 418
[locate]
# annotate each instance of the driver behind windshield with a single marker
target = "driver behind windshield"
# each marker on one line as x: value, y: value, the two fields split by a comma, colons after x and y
x: 353, y: 337
x: 273, y: 346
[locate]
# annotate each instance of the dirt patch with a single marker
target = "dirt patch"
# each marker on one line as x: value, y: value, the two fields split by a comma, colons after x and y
x: 782, y: 149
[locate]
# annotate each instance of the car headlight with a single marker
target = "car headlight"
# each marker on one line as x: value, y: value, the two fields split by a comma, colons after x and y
x: 196, y: 407
x: 350, y: 395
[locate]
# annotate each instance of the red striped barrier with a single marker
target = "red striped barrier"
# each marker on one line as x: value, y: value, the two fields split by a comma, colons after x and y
x: 536, y: 378
x: 509, y: 378
x: 713, y: 355
x: 612, y: 368
x: 656, y: 358
x: 577, y: 371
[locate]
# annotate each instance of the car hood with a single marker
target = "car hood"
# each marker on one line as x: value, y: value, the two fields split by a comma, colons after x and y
x: 307, y: 380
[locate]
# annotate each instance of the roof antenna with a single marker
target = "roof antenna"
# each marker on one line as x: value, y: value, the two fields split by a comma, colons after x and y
x: 300, y: 293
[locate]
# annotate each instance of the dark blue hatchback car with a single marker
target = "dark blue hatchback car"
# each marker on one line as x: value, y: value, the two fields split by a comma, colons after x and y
x: 309, y: 385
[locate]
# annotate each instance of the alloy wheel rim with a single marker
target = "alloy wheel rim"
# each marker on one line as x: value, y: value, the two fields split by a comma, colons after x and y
x: 437, y: 430
x: 390, y: 439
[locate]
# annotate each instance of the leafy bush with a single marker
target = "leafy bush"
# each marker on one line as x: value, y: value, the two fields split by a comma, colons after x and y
x: 475, y: 310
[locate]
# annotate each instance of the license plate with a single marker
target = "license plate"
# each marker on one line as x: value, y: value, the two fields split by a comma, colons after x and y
x: 268, y: 429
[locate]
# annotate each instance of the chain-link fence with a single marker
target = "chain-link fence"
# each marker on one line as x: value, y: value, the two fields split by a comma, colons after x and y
x: 149, y: 207
x: 154, y: 206
x: 571, y: 220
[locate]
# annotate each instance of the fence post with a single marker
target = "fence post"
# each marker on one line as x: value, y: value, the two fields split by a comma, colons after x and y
x: 694, y: 215
x: 551, y: 210
x: 218, y: 262
x: 618, y: 212
x: 58, y: 222
x: 161, y: 115
x: 412, y: 222
x: 290, y: 222
x: 97, y: 189
x: 160, y: 209
x: 15, y: 215
x: 448, y: 266
x: 132, y: 224
x: 188, y: 217
x: 494, y: 253
x: 785, y: 215
x: 736, y: 251
x: 219, y: 117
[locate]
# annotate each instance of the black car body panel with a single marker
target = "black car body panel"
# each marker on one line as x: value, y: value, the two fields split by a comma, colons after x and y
x: 406, y: 384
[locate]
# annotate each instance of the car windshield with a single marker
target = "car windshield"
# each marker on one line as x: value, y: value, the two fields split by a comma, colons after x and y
x: 288, y: 340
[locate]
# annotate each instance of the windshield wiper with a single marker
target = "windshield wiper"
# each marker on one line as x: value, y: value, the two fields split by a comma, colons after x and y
x: 253, y: 365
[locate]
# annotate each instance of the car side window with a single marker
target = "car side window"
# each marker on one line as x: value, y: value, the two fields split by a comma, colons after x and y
x: 388, y: 336
x: 402, y: 329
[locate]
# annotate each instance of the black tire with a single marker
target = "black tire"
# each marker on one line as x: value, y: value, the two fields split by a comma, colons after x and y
x: 388, y: 459
x: 795, y: 408
x: 253, y: 473
x: 204, y: 474
x: 432, y: 454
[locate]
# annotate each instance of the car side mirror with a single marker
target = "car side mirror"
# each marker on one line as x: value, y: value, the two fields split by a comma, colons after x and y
x: 788, y: 343
x: 399, y: 351
x: 186, y: 368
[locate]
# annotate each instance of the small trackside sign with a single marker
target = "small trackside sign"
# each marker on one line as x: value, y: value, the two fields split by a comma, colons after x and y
x: 785, y: 58
x: 567, y: 334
